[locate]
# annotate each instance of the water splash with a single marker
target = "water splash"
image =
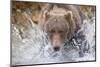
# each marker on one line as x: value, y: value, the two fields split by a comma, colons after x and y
x: 36, y: 48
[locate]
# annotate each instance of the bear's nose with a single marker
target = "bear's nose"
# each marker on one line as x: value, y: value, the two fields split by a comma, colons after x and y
x: 56, y: 48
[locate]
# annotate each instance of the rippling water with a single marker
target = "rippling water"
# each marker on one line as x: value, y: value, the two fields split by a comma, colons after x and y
x: 35, y: 48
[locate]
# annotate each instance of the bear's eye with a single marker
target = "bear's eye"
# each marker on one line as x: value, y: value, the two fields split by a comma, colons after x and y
x: 52, y: 31
x: 60, y: 31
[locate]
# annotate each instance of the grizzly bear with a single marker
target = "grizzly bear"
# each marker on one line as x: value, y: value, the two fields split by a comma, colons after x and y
x: 60, y: 22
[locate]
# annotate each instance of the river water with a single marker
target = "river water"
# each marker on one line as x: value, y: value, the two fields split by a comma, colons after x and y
x: 35, y: 48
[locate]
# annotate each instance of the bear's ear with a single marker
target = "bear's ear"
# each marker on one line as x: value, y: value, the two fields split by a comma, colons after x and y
x: 47, y: 15
x: 44, y: 12
x: 68, y: 15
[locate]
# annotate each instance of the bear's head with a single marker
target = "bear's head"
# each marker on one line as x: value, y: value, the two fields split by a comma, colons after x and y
x: 59, y: 24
